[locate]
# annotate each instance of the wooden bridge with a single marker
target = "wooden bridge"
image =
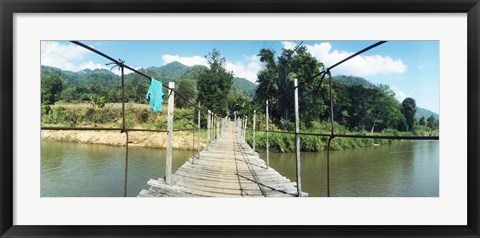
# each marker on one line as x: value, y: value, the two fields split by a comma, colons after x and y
x: 228, y: 168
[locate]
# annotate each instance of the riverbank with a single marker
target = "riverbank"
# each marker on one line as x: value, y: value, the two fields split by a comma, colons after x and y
x: 156, y: 140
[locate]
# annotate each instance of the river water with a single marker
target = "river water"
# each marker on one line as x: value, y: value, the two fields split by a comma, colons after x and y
x: 404, y: 169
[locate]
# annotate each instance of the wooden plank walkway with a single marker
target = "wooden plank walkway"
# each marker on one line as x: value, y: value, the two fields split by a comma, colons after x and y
x: 230, y: 168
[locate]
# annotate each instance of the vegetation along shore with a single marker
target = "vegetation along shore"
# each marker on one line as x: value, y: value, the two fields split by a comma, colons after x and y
x: 92, y: 98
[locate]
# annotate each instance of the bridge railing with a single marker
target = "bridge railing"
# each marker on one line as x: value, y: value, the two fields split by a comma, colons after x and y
x: 214, y: 127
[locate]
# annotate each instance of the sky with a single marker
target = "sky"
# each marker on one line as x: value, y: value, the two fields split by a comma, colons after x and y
x: 410, y: 68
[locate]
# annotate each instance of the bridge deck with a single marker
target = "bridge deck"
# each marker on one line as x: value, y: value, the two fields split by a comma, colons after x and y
x: 229, y: 168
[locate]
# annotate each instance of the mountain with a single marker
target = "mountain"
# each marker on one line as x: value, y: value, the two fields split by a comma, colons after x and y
x: 243, y: 85
x: 107, y: 83
x: 353, y: 81
x: 169, y: 72
x: 422, y: 112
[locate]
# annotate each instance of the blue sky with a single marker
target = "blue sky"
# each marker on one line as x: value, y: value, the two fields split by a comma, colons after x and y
x: 410, y: 68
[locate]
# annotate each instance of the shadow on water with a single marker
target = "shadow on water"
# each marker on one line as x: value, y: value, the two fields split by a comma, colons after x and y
x: 401, y: 169
x: 79, y: 170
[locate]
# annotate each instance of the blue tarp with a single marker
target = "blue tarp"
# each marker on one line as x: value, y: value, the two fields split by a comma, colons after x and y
x: 154, y: 95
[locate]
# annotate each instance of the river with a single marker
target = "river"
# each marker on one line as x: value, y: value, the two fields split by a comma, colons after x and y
x: 401, y: 169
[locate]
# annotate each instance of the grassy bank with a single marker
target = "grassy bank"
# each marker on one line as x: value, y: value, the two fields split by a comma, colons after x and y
x: 137, y: 116
x: 280, y: 142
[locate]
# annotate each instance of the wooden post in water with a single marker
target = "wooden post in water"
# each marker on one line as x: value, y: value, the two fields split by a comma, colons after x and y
x: 297, y: 140
x: 266, y: 122
x: 198, y: 139
x: 208, y: 128
x: 168, y: 167
x: 254, y: 118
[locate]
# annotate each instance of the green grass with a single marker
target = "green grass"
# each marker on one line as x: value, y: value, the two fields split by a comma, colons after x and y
x: 136, y: 116
x: 280, y: 142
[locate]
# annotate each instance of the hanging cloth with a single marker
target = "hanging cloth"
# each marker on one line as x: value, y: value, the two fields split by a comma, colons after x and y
x: 154, y: 95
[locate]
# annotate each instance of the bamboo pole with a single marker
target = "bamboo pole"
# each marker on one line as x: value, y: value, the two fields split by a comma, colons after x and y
x: 208, y: 127
x: 168, y: 167
x: 297, y: 141
x: 266, y: 122
x: 198, y: 138
x: 254, y: 118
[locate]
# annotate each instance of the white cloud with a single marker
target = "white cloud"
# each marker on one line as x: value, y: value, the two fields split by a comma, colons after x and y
x: 289, y: 45
x: 91, y: 65
x: 63, y: 56
x: 246, y: 68
x: 188, y: 61
x: 361, y: 65
x: 400, y: 95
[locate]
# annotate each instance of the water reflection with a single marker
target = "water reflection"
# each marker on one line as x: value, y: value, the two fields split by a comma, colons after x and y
x: 78, y: 170
x: 402, y: 169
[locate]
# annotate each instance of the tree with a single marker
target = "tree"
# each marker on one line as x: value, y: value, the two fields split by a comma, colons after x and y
x: 187, y: 89
x: 214, y: 84
x: 276, y: 84
x: 97, y: 101
x: 50, y: 89
x: 267, y: 79
x: 409, y: 107
x: 432, y: 122
x: 68, y: 94
x: 422, y: 121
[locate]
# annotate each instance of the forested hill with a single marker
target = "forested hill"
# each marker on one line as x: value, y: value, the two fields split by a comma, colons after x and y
x: 421, y: 112
x: 79, y: 85
x: 353, y: 81
x: 357, y: 81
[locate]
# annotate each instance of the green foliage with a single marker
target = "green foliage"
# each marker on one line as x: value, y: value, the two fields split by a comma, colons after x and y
x: 214, y: 84
x: 353, y: 81
x: 432, y: 122
x: 408, y: 109
x: 421, y: 112
x: 50, y: 89
x: 276, y: 78
x: 187, y: 89
x: 97, y: 101
x: 136, y: 116
x: 422, y: 121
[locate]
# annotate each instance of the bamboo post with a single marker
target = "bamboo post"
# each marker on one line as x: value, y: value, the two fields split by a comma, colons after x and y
x: 125, y: 182
x: 218, y: 127
x: 297, y: 140
x: 266, y: 122
x: 245, y: 130
x: 168, y: 167
x: 214, y: 120
x: 240, y: 128
x: 198, y: 139
x: 254, y: 118
x: 208, y: 128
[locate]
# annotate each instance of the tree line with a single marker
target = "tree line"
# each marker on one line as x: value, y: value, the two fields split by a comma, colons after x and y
x: 358, y: 104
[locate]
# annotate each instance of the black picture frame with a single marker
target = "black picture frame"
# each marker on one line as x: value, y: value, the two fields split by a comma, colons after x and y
x: 9, y: 7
